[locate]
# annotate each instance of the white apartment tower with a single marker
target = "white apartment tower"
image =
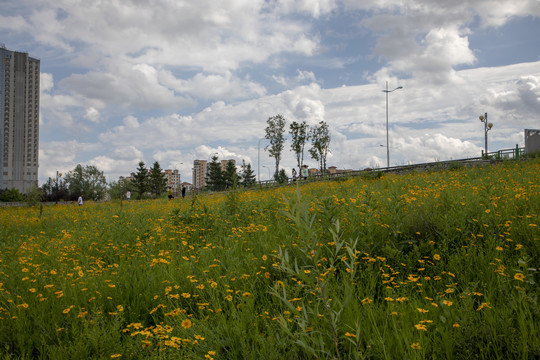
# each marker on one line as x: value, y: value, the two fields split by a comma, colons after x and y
x: 19, y: 131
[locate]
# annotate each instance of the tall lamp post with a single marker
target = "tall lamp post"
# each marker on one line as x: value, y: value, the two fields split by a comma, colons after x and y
x: 487, y: 127
x: 387, y: 145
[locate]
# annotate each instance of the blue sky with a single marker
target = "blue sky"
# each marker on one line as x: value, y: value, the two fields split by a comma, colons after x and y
x: 175, y: 81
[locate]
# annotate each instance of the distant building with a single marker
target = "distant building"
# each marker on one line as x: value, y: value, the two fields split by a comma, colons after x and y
x: 532, y: 141
x: 19, y: 130
x: 173, y: 181
x: 200, y: 169
x: 199, y: 173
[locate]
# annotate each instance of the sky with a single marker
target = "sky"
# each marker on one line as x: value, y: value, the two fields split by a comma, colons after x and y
x: 173, y: 80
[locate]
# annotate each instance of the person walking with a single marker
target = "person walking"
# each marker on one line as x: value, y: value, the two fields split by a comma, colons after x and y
x: 80, y: 200
x: 128, y: 195
x: 183, y: 191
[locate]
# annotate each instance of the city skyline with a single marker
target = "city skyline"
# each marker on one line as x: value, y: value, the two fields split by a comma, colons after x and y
x: 175, y: 82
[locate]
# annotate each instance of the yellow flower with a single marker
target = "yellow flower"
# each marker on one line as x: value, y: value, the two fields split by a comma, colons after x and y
x: 246, y: 294
x: 422, y: 310
x: 116, y: 356
x: 350, y: 335
x: 499, y: 248
x: 366, y: 301
x: 264, y: 257
x: 456, y: 325
x: 186, y: 323
x: 416, y: 346
x: 437, y: 257
x: 519, y: 276
x: 421, y: 327
x: 447, y: 302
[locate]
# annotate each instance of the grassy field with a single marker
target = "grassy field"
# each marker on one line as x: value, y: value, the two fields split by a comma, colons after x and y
x: 431, y: 265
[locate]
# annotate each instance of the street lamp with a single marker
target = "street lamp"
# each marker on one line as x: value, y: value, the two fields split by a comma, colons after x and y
x: 259, y: 159
x: 58, y: 175
x: 388, y: 147
x: 487, y: 127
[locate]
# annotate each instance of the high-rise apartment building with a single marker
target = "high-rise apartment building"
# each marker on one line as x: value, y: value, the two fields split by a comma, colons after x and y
x: 19, y: 131
x: 200, y: 169
x: 199, y: 173
x: 173, y: 180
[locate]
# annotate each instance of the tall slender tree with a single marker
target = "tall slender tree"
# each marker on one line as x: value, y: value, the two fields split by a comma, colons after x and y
x: 157, y: 180
x: 299, y: 136
x: 140, y: 180
x: 320, y: 143
x: 274, y: 132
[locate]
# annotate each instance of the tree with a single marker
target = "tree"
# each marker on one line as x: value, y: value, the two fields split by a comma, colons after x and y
x: 10, y: 195
x: 118, y: 189
x: 230, y: 175
x: 140, y: 180
x: 300, y: 135
x: 214, y: 176
x: 320, y: 142
x: 274, y: 133
x: 247, y: 175
x: 157, y: 180
x: 87, y: 181
x: 34, y: 196
x: 282, y: 177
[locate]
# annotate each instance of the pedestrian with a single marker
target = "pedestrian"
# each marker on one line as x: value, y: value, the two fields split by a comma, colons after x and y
x: 183, y: 191
x: 293, y: 174
x: 80, y: 200
x: 128, y: 195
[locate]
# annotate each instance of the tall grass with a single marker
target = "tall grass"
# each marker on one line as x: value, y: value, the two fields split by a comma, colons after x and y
x: 418, y: 266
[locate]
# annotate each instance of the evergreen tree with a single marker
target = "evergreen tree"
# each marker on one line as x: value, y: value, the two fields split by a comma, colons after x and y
x: 214, y: 175
x: 140, y: 180
x: 274, y: 132
x: 247, y: 175
x: 282, y: 177
x: 157, y: 180
x: 320, y: 142
x: 230, y: 175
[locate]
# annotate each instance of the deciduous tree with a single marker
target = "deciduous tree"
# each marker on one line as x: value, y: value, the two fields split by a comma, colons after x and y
x: 299, y: 137
x: 274, y: 132
x: 320, y: 142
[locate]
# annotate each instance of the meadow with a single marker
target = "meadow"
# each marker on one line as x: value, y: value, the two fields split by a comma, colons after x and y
x: 433, y: 265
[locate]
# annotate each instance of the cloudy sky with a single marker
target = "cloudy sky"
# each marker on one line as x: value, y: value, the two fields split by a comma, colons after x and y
x: 179, y: 80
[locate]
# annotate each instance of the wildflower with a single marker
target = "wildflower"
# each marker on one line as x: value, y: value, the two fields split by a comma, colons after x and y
x: 499, y: 248
x: 246, y: 294
x: 366, y: 301
x: 416, y: 346
x: 228, y: 297
x: 437, y: 257
x: 421, y: 327
x: 519, y: 276
x: 456, y: 325
x: 116, y: 356
x: 186, y: 295
x: 264, y: 257
x: 422, y: 310
x: 186, y: 323
x: 23, y: 306
x: 483, y: 305
x: 447, y: 302
x: 518, y: 246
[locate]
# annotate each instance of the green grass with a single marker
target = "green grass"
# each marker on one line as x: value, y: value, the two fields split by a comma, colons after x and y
x: 416, y: 266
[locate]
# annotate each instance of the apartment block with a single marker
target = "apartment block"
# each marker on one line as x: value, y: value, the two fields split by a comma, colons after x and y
x: 19, y: 130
